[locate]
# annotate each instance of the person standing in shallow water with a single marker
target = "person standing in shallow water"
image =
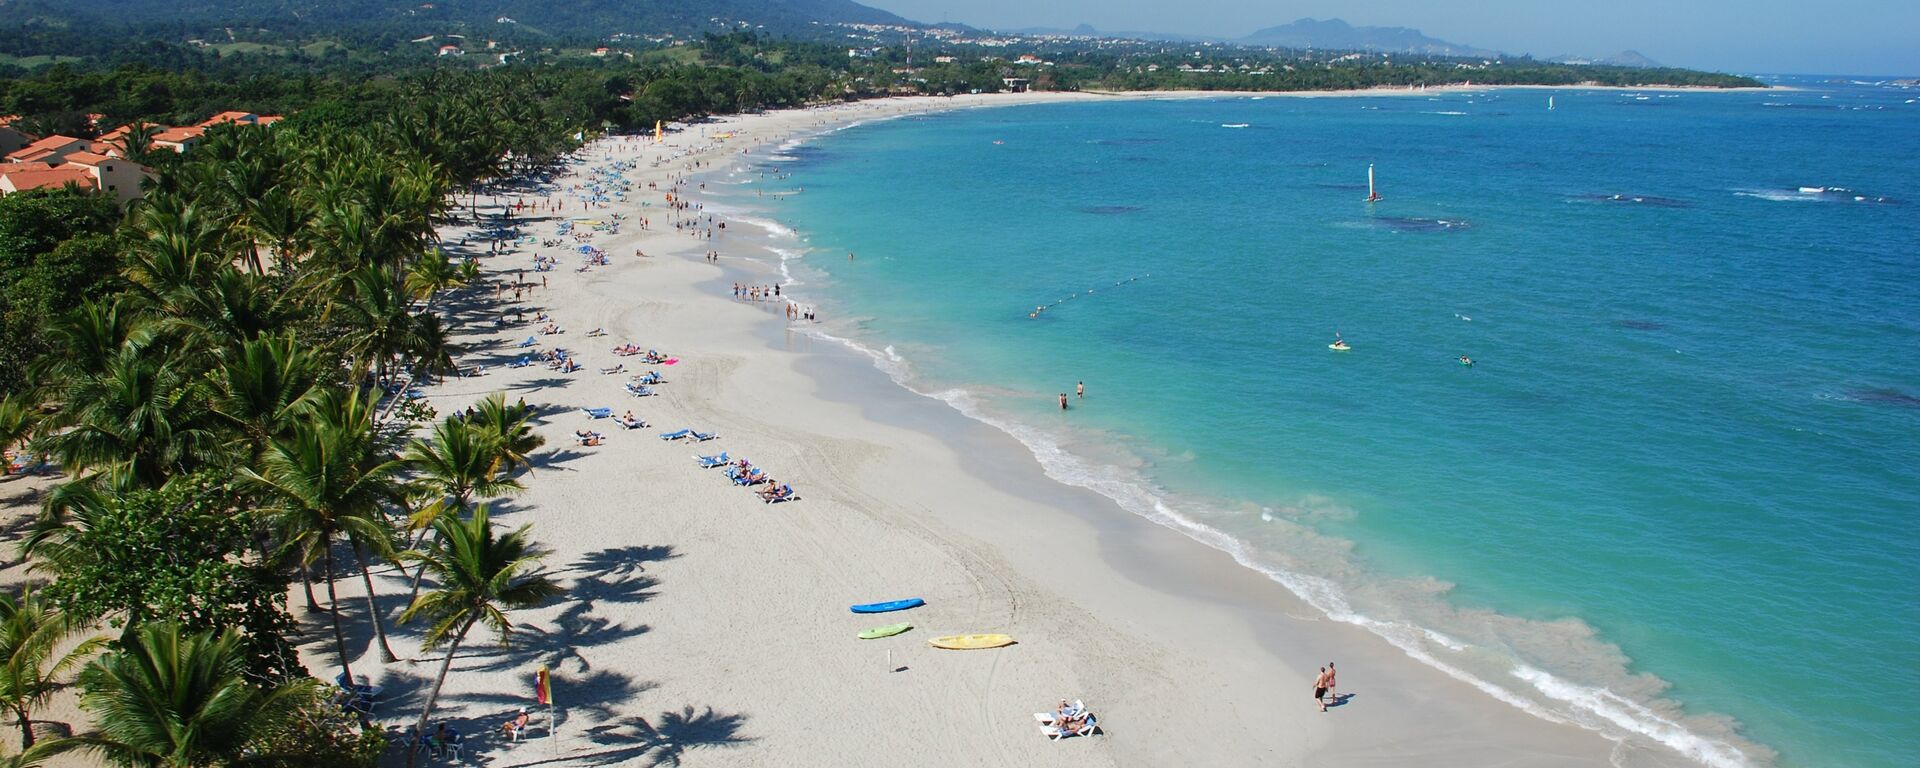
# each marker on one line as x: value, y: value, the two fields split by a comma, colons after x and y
x: 1081, y: 390
x: 1063, y: 401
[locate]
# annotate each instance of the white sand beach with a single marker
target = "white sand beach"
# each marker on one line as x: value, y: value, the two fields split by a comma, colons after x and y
x: 704, y: 627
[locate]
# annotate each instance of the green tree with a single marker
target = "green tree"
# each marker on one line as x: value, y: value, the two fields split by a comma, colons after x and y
x: 329, y: 477
x: 32, y: 630
x: 171, y: 698
x: 482, y: 575
x: 184, y: 553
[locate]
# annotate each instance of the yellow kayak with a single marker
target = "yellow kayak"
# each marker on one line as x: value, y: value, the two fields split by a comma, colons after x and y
x: 970, y: 642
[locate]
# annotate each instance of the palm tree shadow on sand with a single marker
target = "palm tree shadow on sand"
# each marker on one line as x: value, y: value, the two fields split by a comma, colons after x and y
x: 666, y: 740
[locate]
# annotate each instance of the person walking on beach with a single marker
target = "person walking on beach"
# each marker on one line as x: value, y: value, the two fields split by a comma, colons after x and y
x: 1320, y: 689
x: 1333, y: 683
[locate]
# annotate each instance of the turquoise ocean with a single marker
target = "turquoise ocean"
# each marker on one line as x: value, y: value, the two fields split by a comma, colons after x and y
x: 1677, y: 495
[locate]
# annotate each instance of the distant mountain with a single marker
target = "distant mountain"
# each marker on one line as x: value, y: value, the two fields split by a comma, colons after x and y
x: 571, y: 18
x: 1337, y: 35
x: 1621, y: 59
x: 1087, y: 30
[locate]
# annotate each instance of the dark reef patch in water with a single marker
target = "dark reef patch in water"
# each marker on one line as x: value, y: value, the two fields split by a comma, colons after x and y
x: 1325, y: 185
x: 1639, y: 325
x: 1409, y: 224
x: 1127, y: 142
x: 1111, y: 210
x: 1885, y: 396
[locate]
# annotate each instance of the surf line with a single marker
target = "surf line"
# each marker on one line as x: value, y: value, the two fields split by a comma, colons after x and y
x: 1041, y: 309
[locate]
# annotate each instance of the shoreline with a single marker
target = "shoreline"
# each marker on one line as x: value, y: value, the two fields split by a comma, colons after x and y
x: 979, y: 501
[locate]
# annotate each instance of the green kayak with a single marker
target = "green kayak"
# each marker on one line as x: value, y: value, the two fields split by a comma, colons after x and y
x: 887, y: 631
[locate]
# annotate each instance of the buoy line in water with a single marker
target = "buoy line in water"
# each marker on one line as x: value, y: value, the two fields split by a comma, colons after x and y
x: 1041, y: 309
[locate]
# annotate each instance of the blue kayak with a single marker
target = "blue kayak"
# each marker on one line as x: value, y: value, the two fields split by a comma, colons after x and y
x: 891, y: 605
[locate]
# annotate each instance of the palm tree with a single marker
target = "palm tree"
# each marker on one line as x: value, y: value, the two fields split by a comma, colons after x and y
x: 325, y: 479
x: 509, y: 423
x: 432, y: 273
x: 482, y: 574
x: 173, y: 700
x: 262, y: 386
x: 38, y: 754
x: 31, y: 631
x: 137, y: 423
x: 458, y: 462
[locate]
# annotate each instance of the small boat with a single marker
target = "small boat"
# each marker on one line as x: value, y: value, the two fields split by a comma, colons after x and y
x: 887, y: 631
x: 891, y: 605
x: 1339, y: 346
x: 1233, y: 125
x: 1466, y: 361
x: 971, y: 642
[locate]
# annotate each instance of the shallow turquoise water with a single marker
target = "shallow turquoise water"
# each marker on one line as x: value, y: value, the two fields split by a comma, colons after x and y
x: 1679, y: 482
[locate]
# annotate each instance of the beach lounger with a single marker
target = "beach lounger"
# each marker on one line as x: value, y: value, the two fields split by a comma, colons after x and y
x: 591, y: 438
x: 651, y: 377
x: 523, y: 362
x: 529, y: 342
x: 631, y: 423
x: 783, y: 493
x: 597, y: 413
x: 621, y: 368
x: 1056, y: 733
x: 709, y: 462
x: 701, y: 437
x: 676, y: 435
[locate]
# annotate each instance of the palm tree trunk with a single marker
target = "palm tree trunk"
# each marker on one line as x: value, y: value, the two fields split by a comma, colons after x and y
x: 339, y: 637
x: 373, y: 608
x: 433, y: 695
x: 306, y: 582
x: 26, y: 730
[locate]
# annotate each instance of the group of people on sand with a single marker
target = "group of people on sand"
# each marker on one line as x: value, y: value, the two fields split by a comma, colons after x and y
x: 756, y: 292
x: 1324, y: 687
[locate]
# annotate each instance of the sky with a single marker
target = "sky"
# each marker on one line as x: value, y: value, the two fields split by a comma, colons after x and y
x: 1860, y: 37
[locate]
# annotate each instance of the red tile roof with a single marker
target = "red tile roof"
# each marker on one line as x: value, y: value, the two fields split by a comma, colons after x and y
x: 177, y: 135
x: 47, y: 178
x: 44, y: 147
x: 87, y: 158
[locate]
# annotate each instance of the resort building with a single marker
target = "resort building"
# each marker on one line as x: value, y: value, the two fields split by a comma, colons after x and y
x: 51, y: 150
x: 20, y: 177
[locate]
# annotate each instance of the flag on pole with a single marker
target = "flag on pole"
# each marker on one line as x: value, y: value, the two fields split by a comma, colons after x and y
x: 543, y: 687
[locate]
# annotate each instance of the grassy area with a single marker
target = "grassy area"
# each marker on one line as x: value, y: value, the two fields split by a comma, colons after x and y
x: 228, y: 49
x: 35, y: 62
x: 679, y: 54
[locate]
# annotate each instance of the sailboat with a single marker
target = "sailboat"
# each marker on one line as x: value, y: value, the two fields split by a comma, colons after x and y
x: 1549, y: 103
x: 1372, y: 196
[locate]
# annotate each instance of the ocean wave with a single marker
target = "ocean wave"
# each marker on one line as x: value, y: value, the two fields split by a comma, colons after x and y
x: 1815, y: 194
x: 1478, y: 662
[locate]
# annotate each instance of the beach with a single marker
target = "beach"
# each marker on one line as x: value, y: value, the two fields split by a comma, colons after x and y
x: 704, y: 626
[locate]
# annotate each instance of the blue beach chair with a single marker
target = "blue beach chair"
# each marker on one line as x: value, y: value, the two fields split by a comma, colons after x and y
x: 676, y: 435
x: 709, y: 462
x: 597, y: 413
x: 701, y: 437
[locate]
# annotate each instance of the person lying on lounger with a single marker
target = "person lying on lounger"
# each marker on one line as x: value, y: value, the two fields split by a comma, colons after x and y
x: 516, y: 725
x: 772, y: 492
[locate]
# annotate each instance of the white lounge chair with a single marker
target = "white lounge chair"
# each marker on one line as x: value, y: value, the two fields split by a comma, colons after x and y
x: 1056, y: 733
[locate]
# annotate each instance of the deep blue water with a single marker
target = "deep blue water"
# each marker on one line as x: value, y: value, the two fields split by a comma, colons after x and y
x: 1676, y: 490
